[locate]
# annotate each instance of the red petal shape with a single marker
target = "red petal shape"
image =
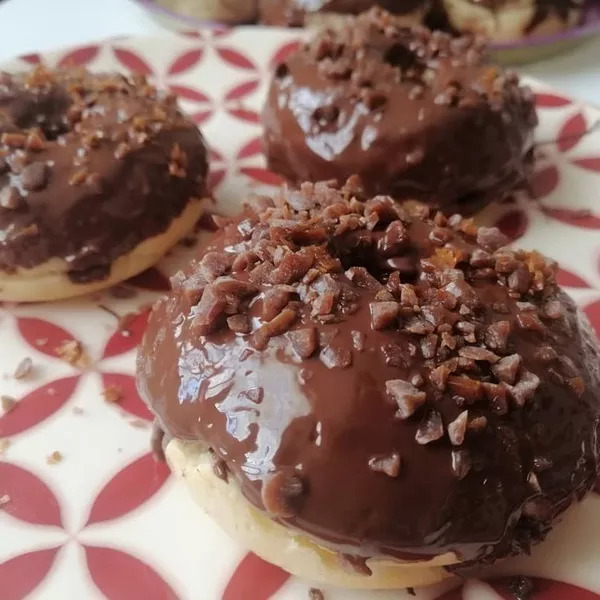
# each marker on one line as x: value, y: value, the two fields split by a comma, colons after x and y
x: 254, y: 579
x: 545, y: 181
x: 32, y: 59
x: 250, y: 116
x: 577, y: 218
x: 130, y: 400
x: 43, y: 335
x: 570, y: 279
x: 574, y: 128
x: 120, y: 576
x: 551, y: 101
x: 31, y: 500
x: 37, y: 406
x: 262, y: 175
x: 244, y: 89
x: 214, y: 155
x: 124, y: 340
x: 513, y: 224
x: 132, y: 61
x: 129, y: 489
x: 188, y: 93
x: 186, y: 61
x: 215, y: 178
x: 19, y: 576
x: 201, y: 117
x: 78, y: 57
x: 593, y: 313
x: 235, y: 59
x: 151, y: 279
x: 591, y: 164
x: 252, y: 148
x: 284, y: 52
x: 544, y: 589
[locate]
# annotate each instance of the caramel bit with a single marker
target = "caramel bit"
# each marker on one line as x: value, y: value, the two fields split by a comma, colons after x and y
x: 4, y: 445
x: 54, y: 458
x: 383, y: 314
x: 390, y: 464
x: 315, y: 594
x: 430, y: 429
x: 34, y: 176
x: 10, y: 198
x: 281, y: 491
x: 24, y: 368
x: 461, y: 463
x: 507, y: 368
x: 408, y: 397
x: 355, y: 565
x: 113, y: 394
x: 72, y: 351
x: 8, y: 403
x: 458, y: 428
x: 304, y: 341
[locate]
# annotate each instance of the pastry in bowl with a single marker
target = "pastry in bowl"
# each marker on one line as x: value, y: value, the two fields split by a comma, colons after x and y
x: 413, y: 113
x: 512, y: 20
x: 333, y: 13
x: 367, y: 394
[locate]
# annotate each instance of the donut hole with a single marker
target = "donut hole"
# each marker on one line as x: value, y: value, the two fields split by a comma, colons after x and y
x: 46, y: 112
x: 399, y: 56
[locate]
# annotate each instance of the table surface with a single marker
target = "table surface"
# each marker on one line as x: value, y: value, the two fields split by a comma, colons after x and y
x: 39, y: 25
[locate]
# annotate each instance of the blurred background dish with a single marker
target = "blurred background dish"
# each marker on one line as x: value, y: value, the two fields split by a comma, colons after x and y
x: 549, y: 27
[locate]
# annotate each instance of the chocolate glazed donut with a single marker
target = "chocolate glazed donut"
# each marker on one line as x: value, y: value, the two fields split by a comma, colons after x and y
x: 91, y: 167
x: 414, y: 113
x: 380, y: 383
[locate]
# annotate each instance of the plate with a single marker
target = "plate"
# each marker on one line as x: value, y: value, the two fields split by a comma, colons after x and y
x: 86, y: 512
x: 526, y: 50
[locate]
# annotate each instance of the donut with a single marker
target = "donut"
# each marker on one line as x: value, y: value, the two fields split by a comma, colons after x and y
x: 100, y: 174
x: 371, y: 394
x: 298, y: 13
x: 512, y: 20
x: 231, y: 11
x: 413, y: 113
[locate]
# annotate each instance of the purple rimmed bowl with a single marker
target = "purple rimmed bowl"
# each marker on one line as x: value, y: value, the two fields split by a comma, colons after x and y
x: 525, y: 50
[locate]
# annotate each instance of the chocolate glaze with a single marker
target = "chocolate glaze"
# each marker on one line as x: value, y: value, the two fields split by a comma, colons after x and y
x: 413, y: 113
x: 306, y: 437
x: 114, y: 161
x: 292, y: 13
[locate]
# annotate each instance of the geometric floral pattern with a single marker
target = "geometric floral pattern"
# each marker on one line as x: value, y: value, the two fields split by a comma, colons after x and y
x: 85, y: 510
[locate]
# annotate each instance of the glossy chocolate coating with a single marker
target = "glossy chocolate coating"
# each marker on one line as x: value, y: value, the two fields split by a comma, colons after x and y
x: 292, y: 13
x: 530, y: 447
x: 114, y: 162
x: 414, y: 114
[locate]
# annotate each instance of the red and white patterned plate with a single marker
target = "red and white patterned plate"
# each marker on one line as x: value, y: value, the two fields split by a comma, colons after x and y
x: 106, y: 521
